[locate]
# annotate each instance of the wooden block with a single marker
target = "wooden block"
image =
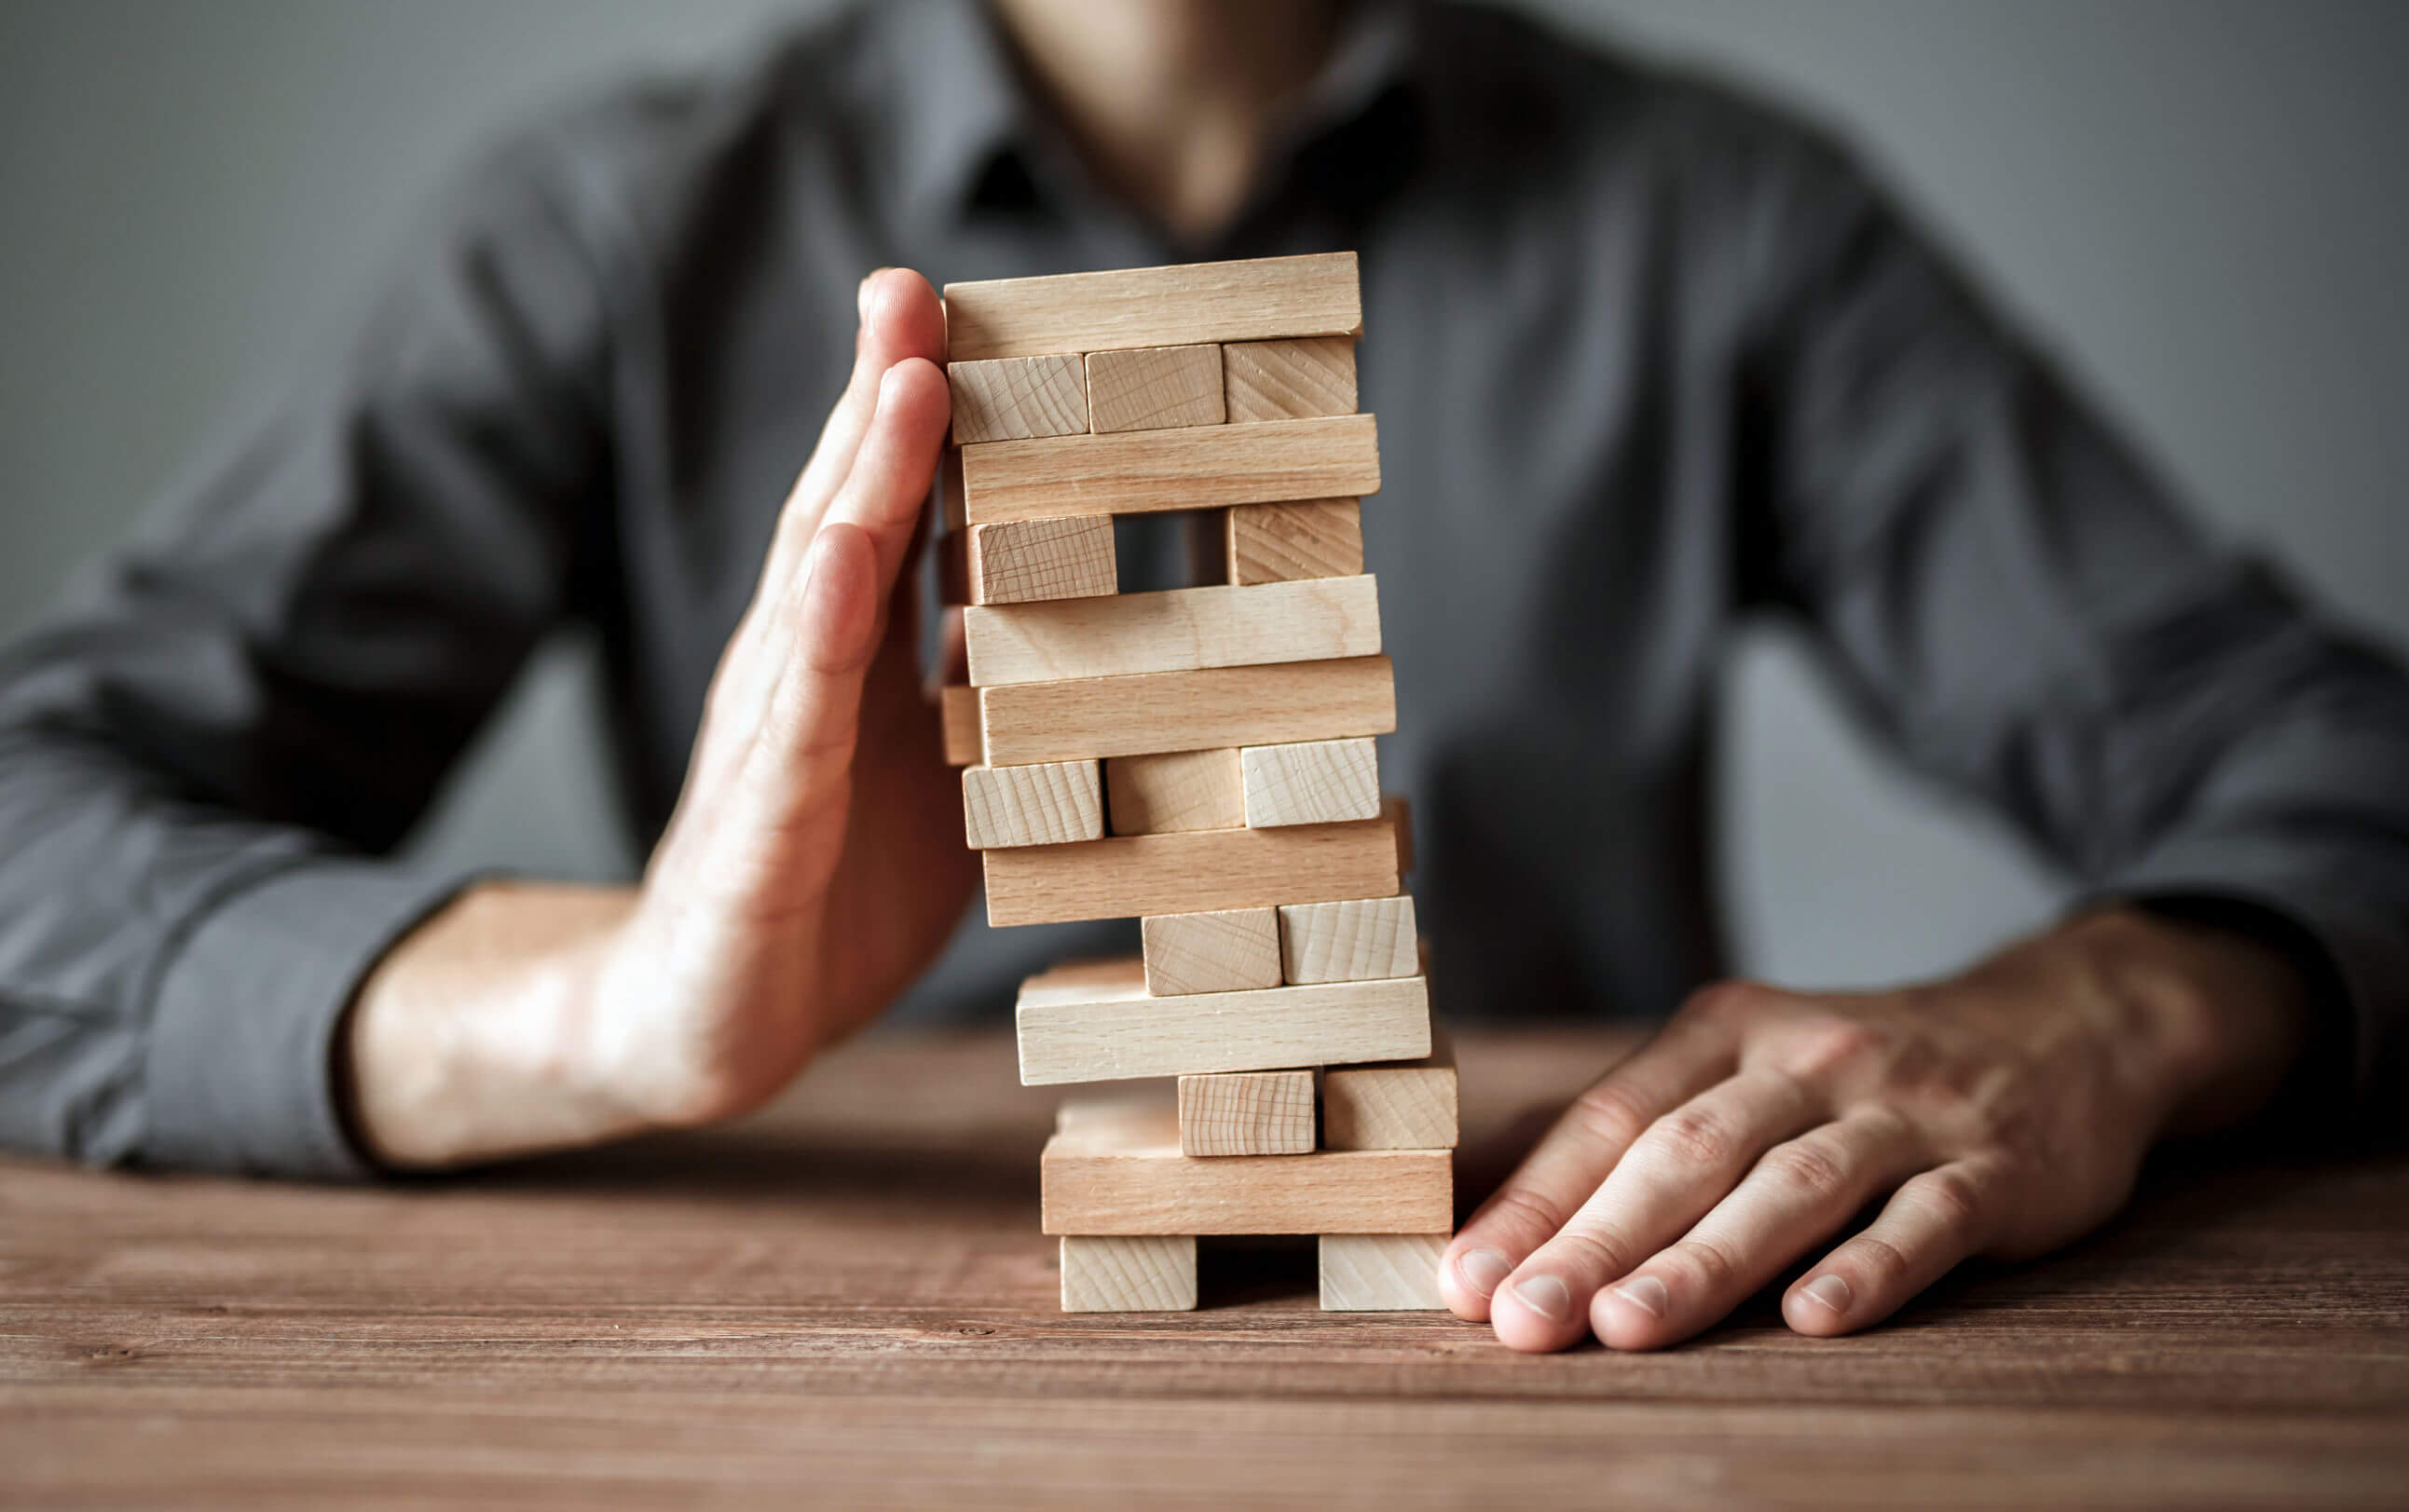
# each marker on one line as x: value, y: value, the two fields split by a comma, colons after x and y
x: 1400, y: 1107
x: 1032, y: 561
x: 1213, y: 708
x: 1142, y: 472
x: 1154, y: 307
x: 1190, y: 873
x: 1316, y: 538
x: 1175, y: 791
x: 1380, y: 1273
x: 1359, y: 940
x: 1177, y: 631
x: 1092, y: 1021
x: 1013, y: 399
x: 1047, y: 803
x: 1225, y: 950
x: 1121, y: 1171
x: 1246, y: 1113
x: 958, y: 718
x: 1154, y: 388
x: 1399, y: 811
x: 1128, y: 1274
x: 950, y: 506
x: 1312, y: 781
x: 1290, y: 380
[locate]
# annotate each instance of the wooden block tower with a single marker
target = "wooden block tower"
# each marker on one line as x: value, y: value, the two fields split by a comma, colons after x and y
x: 1201, y: 759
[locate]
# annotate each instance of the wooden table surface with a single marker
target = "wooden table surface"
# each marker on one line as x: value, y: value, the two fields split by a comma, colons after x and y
x: 846, y: 1301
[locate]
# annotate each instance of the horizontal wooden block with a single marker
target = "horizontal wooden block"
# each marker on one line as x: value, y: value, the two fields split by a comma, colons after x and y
x: 1174, y: 791
x: 1092, y: 1021
x: 1190, y: 873
x: 1319, y: 295
x: 1399, y: 1107
x: 1225, y: 950
x: 957, y: 724
x: 1312, y: 781
x: 1013, y: 399
x: 1290, y: 380
x: 1177, y: 631
x: 1154, y: 388
x: 1129, y: 1273
x: 1034, y: 561
x: 1380, y: 1273
x: 1141, y: 471
x: 1211, y: 708
x: 1246, y: 1113
x: 1359, y: 940
x: 1314, y: 538
x: 1048, y: 803
x: 1122, y: 1171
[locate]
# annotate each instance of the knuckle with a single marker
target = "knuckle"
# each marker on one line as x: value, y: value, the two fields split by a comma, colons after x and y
x: 1607, y: 1115
x: 1951, y: 1198
x: 1885, y: 1261
x: 1815, y: 1165
x: 1732, y: 1000
x: 1833, y: 1045
x: 1716, y: 1267
x: 1591, y: 1251
x: 1691, y: 1136
x: 1520, y: 1210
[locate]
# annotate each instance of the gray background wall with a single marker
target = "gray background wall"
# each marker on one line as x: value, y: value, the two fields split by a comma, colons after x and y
x: 2203, y: 203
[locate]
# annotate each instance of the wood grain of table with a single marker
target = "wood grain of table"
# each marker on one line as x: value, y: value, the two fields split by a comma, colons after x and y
x: 846, y: 1302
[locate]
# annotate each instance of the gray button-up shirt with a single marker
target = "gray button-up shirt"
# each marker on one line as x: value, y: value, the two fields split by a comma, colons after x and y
x: 1648, y: 360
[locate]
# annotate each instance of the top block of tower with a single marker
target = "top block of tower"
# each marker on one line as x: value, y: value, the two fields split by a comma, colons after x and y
x: 1256, y: 300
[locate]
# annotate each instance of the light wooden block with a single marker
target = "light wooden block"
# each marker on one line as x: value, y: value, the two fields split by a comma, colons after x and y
x: 1154, y: 388
x: 1314, y: 538
x: 1092, y: 1021
x: 1173, y: 791
x: 1380, y: 1273
x: 1319, y: 295
x: 1399, y: 811
x: 1399, y: 1107
x: 1143, y: 471
x: 1246, y: 1113
x: 1175, y: 630
x: 1047, y: 803
x: 1225, y: 950
x: 1128, y: 1274
x: 1312, y: 781
x: 1216, y: 707
x: 1122, y: 1172
x: 1035, y: 561
x: 1290, y: 380
x: 1359, y: 940
x: 957, y: 722
x: 1199, y: 872
x: 1015, y: 398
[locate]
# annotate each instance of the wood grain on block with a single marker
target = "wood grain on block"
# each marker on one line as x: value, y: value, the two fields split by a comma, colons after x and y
x: 1410, y: 1106
x: 1314, y: 538
x: 1123, y: 1172
x: 1154, y: 388
x: 1092, y: 1021
x: 1174, y: 791
x: 1175, y: 630
x: 1380, y: 1273
x: 1246, y: 1113
x: 1399, y: 811
x: 957, y: 719
x: 1359, y: 940
x: 1197, y: 468
x: 1290, y: 380
x: 1216, y: 707
x: 1312, y: 781
x: 1319, y: 295
x: 1129, y: 1273
x: 1015, y: 398
x: 1032, y: 561
x: 1047, y: 803
x: 1224, y: 951
x: 1190, y: 873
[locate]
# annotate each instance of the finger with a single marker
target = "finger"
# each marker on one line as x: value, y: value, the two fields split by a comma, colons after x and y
x: 1677, y: 1169
x: 1801, y: 1192
x: 1930, y: 1224
x: 885, y: 492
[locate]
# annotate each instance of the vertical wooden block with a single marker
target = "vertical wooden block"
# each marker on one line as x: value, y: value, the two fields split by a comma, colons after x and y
x: 1128, y: 1274
x: 1409, y: 1105
x: 1290, y: 380
x: 1362, y: 939
x: 1154, y: 388
x: 953, y: 505
x: 1033, y: 561
x: 1018, y: 398
x: 1381, y: 1272
x: 1312, y: 782
x: 958, y: 721
x: 1153, y: 795
x: 1399, y: 811
x: 1227, y: 951
x: 1047, y: 803
x: 1246, y: 1113
x: 1319, y: 538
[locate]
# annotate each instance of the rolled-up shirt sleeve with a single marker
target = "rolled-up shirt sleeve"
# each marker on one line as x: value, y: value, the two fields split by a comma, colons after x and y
x: 209, y: 746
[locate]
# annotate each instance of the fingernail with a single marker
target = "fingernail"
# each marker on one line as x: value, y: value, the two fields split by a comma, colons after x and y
x: 1546, y: 1296
x: 1831, y: 1291
x: 1646, y: 1293
x: 1482, y: 1270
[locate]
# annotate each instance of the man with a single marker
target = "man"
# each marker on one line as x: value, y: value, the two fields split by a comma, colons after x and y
x: 1648, y: 360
